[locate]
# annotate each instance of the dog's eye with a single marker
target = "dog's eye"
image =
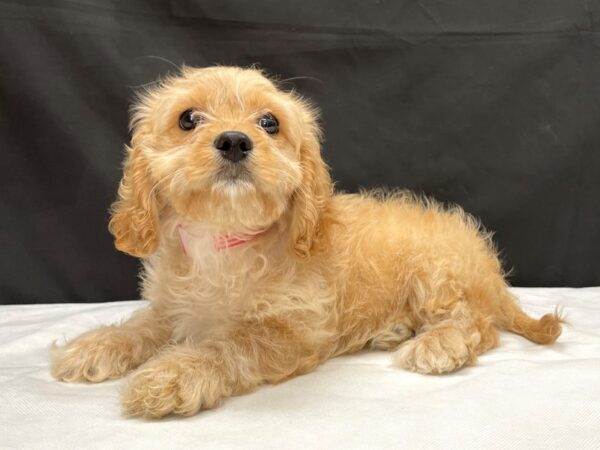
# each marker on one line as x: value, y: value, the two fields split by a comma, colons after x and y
x: 189, y: 119
x: 269, y: 123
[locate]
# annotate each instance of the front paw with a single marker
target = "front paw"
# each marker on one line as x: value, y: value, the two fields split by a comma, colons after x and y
x: 174, y: 382
x: 95, y: 356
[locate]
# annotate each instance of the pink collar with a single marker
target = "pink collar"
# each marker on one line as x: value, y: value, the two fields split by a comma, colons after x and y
x: 222, y: 241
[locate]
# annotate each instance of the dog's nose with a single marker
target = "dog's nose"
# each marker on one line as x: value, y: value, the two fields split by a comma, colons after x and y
x: 233, y: 145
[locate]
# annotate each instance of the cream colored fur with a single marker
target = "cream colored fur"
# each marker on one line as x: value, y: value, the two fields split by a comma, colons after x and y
x: 332, y: 274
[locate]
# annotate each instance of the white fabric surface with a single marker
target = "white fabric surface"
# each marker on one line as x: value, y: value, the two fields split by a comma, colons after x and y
x: 520, y: 395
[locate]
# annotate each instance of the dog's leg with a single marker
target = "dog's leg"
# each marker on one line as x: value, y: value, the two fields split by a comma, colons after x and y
x: 188, y: 377
x: 449, y: 339
x: 111, y: 351
x: 391, y: 337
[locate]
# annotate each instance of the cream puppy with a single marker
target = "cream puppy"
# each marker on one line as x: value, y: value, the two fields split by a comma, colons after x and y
x: 256, y: 271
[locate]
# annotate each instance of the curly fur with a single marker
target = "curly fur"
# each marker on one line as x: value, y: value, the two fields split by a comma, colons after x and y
x: 332, y: 274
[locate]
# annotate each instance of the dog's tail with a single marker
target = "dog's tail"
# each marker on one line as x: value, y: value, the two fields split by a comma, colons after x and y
x: 543, y: 331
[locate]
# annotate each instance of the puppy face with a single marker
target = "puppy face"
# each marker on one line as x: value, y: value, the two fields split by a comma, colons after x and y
x: 222, y: 146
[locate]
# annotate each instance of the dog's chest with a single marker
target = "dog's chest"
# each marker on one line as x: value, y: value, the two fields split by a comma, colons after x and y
x: 213, y: 289
x: 207, y: 303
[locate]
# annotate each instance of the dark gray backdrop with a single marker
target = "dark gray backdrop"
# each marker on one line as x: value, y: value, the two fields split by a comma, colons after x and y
x: 490, y: 104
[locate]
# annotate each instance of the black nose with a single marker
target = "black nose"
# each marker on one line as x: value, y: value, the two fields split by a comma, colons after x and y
x: 233, y: 145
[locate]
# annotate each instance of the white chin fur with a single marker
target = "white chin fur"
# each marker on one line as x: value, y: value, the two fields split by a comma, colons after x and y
x: 234, y: 187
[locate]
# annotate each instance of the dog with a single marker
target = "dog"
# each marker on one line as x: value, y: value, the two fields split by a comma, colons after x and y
x: 257, y: 271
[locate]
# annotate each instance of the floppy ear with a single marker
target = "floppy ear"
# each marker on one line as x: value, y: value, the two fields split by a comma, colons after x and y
x: 134, y: 221
x: 310, y: 199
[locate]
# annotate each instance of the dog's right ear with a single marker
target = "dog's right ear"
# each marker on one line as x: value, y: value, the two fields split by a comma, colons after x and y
x: 135, y: 214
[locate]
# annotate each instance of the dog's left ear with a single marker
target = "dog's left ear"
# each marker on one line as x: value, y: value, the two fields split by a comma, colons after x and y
x: 310, y: 199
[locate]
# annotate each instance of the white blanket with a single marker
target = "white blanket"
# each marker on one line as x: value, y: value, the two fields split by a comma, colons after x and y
x: 520, y: 395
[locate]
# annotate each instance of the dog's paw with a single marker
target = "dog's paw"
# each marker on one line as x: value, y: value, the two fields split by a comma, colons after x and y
x: 436, y: 351
x: 95, y: 356
x: 173, y: 384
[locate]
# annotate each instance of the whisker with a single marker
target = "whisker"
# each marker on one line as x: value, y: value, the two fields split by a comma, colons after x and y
x: 144, y: 85
x: 160, y: 58
x: 286, y: 80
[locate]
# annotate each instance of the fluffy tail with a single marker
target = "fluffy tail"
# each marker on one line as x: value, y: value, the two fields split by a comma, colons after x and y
x: 543, y: 331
